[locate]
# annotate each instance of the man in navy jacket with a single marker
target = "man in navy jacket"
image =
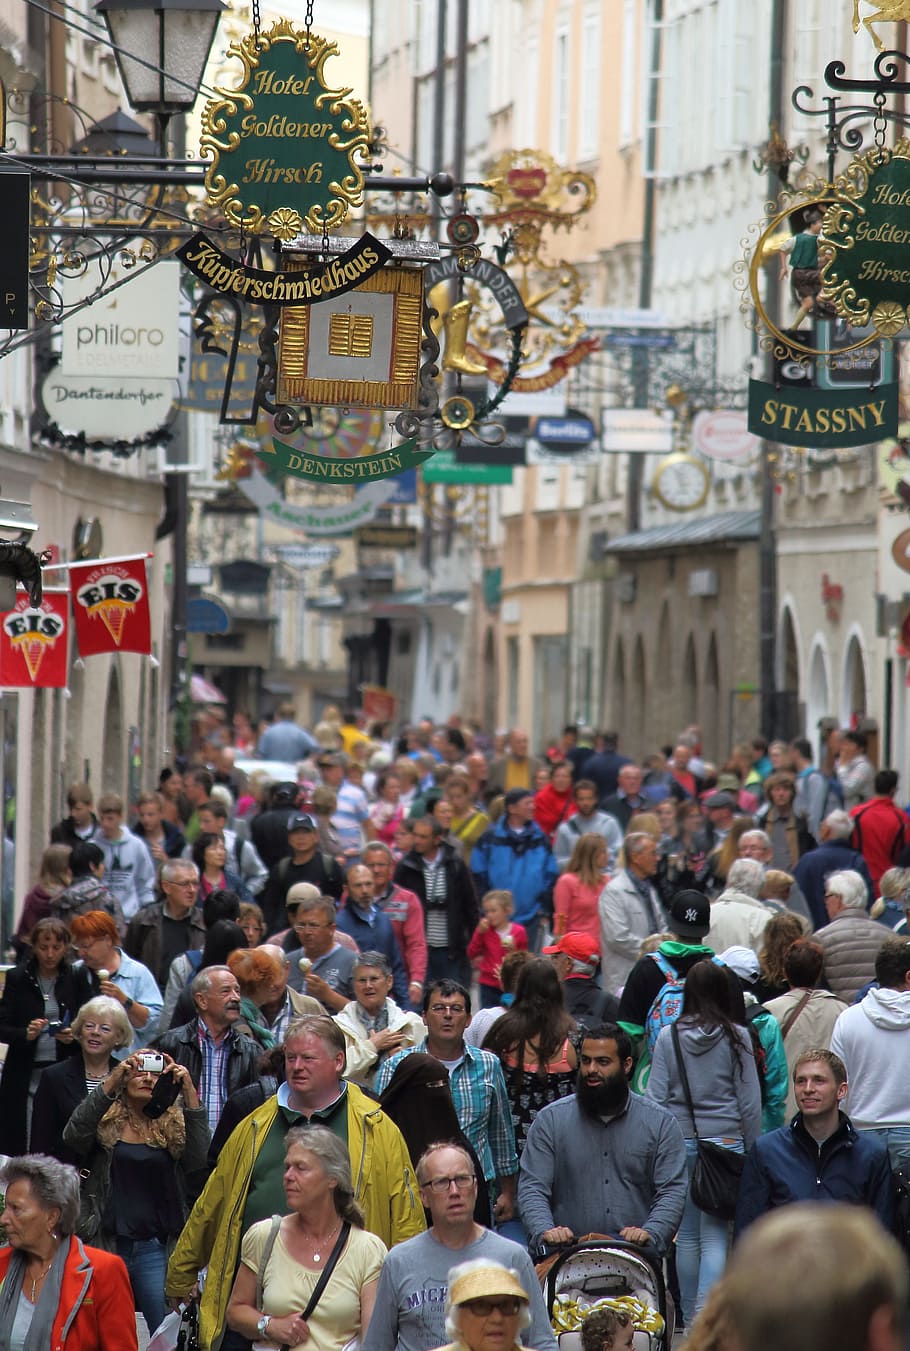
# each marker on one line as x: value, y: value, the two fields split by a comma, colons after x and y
x: 515, y: 855
x: 819, y: 1156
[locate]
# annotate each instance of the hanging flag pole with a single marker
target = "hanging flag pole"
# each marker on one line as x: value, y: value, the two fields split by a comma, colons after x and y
x: 96, y: 562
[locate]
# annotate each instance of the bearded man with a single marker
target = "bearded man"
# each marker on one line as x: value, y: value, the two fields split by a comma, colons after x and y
x: 605, y: 1161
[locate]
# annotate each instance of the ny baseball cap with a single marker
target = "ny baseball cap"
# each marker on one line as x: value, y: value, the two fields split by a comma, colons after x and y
x: 690, y: 914
x: 301, y: 821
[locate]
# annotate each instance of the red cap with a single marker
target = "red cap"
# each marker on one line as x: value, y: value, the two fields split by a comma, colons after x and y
x: 581, y: 947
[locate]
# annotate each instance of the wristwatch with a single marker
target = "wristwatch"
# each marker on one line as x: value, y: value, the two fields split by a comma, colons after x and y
x: 127, y: 1003
x: 262, y: 1327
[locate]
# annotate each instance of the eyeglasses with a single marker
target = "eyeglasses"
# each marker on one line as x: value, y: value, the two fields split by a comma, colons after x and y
x: 447, y: 1008
x: 442, y: 1184
x: 311, y: 924
x: 508, y: 1305
x: 185, y: 882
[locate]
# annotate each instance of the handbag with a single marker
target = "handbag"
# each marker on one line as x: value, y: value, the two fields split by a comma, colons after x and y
x: 179, y: 1331
x: 718, y: 1171
x: 323, y: 1281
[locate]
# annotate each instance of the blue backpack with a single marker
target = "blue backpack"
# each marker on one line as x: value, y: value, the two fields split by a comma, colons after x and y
x: 668, y: 1002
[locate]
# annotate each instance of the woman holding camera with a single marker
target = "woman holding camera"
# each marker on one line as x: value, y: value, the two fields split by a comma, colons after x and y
x: 140, y: 1133
x: 40, y: 1000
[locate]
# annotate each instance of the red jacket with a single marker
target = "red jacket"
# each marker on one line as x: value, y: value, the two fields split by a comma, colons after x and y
x: 880, y: 831
x: 487, y: 947
x: 405, y: 912
x: 552, y: 808
x: 96, y: 1310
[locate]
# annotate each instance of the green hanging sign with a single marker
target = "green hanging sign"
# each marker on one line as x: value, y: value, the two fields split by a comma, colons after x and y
x: 285, y: 459
x: 822, y: 418
x: 283, y: 145
x: 866, y: 234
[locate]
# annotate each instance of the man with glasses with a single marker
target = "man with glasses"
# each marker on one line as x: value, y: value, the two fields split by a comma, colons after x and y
x: 478, y: 1089
x: 328, y: 975
x: 162, y: 931
x: 409, y: 1312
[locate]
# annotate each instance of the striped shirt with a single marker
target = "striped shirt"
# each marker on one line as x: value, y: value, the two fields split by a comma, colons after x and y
x: 212, y: 1090
x: 437, y: 893
x: 350, y: 814
x: 481, y: 1103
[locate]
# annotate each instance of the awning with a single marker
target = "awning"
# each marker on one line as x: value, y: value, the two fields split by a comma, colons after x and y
x: 202, y: 691
x: 729, y: 527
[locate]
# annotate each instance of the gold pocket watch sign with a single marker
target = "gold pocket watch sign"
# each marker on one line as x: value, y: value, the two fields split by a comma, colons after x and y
x: 359, y: 350
x: 283, y: 145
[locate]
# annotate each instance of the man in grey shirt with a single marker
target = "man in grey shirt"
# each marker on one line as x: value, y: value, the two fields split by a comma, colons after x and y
x: 409, y: 1313
x: 604, y: 1161
x: 588, y: 820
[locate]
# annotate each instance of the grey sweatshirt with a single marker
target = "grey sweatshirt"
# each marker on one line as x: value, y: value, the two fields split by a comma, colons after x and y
x: 726, y: 1096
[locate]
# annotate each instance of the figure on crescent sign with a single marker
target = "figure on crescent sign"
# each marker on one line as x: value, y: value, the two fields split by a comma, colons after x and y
x: 806, y: 280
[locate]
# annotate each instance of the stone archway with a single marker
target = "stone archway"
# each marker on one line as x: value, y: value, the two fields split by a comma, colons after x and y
x: 713, y: 718
x: 637, y: 700
x: 854, y: 686
x: 490, y: 680
x: 689, y: 708
x: 818, y: 694
x: 617, y: 700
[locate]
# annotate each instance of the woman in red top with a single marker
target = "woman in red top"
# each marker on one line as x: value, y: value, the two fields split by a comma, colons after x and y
x: 577, y: 892
x: 386, y: 812
x: 210, y: 857
x: 555, y: 803
x: 56, y: 1292
x: 494, y: 937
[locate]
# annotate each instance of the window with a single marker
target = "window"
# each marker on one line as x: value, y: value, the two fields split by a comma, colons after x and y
x: 588, y: 134
x: 560, y: 130
x: 629, y: 73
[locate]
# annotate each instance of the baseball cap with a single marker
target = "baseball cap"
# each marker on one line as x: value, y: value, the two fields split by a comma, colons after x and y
x: 690, y: 914
x: 722, y: 800
x: 517, y: 795
x: 301, y: 821
x: 581, y: 947
x: 742, y: 962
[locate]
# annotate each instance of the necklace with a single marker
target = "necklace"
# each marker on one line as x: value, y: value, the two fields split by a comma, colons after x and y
x: 38, y: 1279
x: 320, y: 1241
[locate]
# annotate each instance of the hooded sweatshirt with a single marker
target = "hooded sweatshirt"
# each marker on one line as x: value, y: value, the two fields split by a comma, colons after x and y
x: 725, y: 1088
x: 873, y: 1040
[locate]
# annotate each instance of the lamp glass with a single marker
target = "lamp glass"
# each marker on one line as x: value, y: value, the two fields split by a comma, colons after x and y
x: 172, y: 36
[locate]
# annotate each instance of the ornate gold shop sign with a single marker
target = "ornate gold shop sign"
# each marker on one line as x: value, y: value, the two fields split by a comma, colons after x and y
x: 283, y: 144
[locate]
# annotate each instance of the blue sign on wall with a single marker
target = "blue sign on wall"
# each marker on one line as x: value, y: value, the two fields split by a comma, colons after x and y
x: 204, y: 615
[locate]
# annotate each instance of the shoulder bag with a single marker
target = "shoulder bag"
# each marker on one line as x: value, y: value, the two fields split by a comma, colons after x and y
x: 323, y: 1281
x: 715, y: 1180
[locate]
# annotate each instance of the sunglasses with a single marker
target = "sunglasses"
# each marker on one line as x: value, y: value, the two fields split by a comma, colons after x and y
x: 508, y: 1306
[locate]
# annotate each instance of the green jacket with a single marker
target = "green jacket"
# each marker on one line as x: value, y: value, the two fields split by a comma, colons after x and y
x: 384, y: 1185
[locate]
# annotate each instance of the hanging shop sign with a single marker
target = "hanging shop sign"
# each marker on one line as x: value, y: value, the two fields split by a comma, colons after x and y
x: 284, y: 145
x: 723, y: 434
x: 231, y: 277
x: 822, y: 417
x: 486, y: 274
x: 333, y: 469
x: 866, y: 275
x: 445, y: 467
x: 14, y: 249
x: 130, y: 332
x: 111, y: 606
x: 104, y: 406
x: 360, y: 350
x: 33, y: 642
x: 337, y: 518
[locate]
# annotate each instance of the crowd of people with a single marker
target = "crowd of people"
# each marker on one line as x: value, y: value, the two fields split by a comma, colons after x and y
x: 341, y: 1056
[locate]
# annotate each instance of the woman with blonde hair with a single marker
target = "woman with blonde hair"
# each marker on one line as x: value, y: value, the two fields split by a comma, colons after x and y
x: 782, y: 931
x: 722, y: 859
x: 284, y: 1259
x: 577, y: 891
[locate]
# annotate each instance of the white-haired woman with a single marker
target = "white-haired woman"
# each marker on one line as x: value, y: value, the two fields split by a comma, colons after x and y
x: 282, y: 1259
x: 486, y: 1308
x: 55, y: 1291
x: 100, y: 1028
x: 852, y: 940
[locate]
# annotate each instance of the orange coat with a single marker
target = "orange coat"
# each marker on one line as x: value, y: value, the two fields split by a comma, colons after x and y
x: 96, y: 1310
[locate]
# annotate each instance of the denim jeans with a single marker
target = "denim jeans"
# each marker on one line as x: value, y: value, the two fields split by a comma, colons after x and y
x: 441, y: 967
x: 897, y: 1138
x: 490, y: 996
x: 702, y: 1242
x: 146, y: 1262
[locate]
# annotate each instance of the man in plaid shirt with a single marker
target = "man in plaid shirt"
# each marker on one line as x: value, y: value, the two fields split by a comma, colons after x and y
x: 478, y: 1089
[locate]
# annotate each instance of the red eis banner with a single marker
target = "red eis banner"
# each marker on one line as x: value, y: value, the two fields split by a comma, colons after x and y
x: 111, y: 607
x: 33, y: 642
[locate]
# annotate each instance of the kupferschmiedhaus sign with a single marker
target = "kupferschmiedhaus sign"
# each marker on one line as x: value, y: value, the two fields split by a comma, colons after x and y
x: 283, y: 145
x: 867, y: 229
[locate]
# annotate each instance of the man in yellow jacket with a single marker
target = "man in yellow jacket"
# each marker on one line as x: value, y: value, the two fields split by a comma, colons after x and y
x: 247, y: 1182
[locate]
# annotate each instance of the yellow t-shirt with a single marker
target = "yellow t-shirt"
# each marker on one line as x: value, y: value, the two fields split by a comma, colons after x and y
x: 288, y: 1284
x: 518, y: 774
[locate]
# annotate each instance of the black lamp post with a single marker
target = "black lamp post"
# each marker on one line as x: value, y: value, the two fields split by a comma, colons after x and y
x: 172, y: 40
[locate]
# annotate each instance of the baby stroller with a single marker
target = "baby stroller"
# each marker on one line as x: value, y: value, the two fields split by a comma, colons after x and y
x: 606, y: 1269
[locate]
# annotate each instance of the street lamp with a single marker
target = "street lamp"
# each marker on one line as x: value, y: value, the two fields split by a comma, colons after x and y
x: 172, y: 38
